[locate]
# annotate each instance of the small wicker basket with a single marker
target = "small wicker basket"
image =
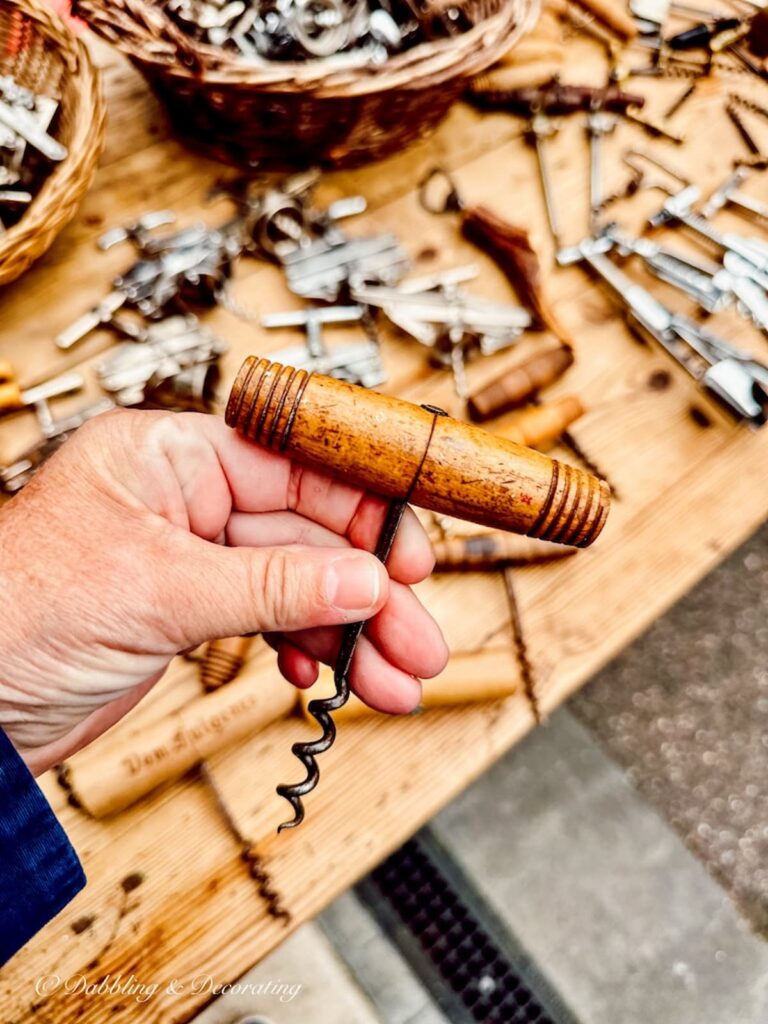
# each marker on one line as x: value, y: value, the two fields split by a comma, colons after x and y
x: 44, y: 55
x: 300, y: 112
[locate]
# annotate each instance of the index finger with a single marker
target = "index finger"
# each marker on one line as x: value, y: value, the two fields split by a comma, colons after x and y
x: 260, y: 480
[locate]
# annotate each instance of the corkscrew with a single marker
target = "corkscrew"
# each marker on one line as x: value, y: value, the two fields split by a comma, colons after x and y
x: 321, y: 708
x: 407, y: 453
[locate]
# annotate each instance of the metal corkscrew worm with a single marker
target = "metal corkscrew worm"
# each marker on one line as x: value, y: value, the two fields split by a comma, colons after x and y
x: 408, y: 454
x: 320, y: 709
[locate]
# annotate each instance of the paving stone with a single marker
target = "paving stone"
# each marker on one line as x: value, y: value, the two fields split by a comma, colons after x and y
x: 623, y: 920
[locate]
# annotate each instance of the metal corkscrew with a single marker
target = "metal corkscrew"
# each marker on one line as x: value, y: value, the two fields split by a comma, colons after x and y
x: 321, y: 708
x: 407, y: 453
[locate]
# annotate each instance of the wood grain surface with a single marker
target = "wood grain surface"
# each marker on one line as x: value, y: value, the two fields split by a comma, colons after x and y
x: 168, y: 896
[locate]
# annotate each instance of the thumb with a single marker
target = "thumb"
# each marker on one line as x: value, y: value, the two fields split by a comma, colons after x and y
x: 218, y: 591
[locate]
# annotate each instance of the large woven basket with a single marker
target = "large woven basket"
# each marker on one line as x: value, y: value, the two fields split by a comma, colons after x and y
x: 294, y: 113
x: 44, y: 55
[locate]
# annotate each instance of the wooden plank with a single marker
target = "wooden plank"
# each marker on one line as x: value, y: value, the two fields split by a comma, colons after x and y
x: 688, y: 495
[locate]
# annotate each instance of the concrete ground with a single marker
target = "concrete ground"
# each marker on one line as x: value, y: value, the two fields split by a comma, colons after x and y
x: 606, y: 843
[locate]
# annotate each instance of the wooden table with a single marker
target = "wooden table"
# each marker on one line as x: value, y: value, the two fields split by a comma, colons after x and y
x: 689, y: 493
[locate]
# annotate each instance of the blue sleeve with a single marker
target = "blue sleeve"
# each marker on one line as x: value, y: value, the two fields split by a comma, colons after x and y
x: 39, y: 870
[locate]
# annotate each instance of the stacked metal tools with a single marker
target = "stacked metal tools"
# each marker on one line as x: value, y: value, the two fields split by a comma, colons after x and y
x: 27, y: 148
x: 350, y: 32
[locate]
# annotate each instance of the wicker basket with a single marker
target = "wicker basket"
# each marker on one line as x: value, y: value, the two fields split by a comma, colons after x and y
x: 43, y: 54
x: 295, y: 113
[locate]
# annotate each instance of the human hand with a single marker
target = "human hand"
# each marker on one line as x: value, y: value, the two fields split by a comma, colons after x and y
x: 150, y: 533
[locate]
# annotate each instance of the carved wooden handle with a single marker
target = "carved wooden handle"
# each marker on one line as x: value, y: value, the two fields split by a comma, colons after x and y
x: 397, y: 449
x: 482, y: 551
x: 519, y: 383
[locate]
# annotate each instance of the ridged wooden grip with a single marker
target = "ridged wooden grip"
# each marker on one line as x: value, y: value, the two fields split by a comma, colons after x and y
x: 494, y: 551
x: 384, y: 444
x: 519, y: 383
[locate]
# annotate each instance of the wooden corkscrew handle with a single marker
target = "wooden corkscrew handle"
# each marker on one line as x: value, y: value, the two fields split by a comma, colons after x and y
x: 395, y: 448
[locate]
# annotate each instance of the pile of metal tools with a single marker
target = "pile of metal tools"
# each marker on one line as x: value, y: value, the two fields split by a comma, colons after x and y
x: 348, y: 32
x: 27, y: 147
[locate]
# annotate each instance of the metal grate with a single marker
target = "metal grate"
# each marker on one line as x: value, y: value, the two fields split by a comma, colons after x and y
x: 454, y: 942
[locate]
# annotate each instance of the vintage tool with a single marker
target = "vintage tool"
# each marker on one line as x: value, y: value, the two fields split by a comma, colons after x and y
x: 545, y: 423
x: 653, y: 128
x: 137, y: 231
x: 173, y: 361
x: 508, y: 246
x: 598, y: 125
x: 517, y: 385
x: 737, y: 381
x: 744, y: 133
x: 495, y: 550
x: 554, y: 98
x: 540, y: 128
x: 249, y: 855
x: 704, y: 281
x: 327, y: 269
x: 521, y: 647
x: 358, y: 363
x: 55, y: 432
x: 27, y: 148
x: 453, y: 324
x: 680, y: 207
x: 13, y: 398
x: 378, y: 442
x: 681, y: 100
x: 187, y: 267
x: 729, y: 193
x: 483, y: 675
x: 701, y: 35
x: 408, y: 454
x: 110, y: 775
x: 223, y: 661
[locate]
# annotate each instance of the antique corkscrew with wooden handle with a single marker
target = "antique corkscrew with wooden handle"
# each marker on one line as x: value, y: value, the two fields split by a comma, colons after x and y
x: 407, y: 453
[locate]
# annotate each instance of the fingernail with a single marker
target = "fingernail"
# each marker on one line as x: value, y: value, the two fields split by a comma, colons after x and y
x: 352, y: 583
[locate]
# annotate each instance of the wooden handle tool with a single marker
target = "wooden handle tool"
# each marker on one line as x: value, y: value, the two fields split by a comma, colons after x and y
x: 486, y: 675
x: 124, y: 766
x: 398, y: 450
x: 520, y: 383
x: 12, y: 398
x: 541, y: 426
x: 495, y: 550
x: 223, y: 660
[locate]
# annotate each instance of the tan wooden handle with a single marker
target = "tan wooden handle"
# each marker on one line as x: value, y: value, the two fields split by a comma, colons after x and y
x: 383, y: 444
x: 520, y: 383
x: 10, y: 397
x: 541, y: 426
x: 486, y: 675
x: 223, y: 660
x: 494, y: 551
x: 116, y: 771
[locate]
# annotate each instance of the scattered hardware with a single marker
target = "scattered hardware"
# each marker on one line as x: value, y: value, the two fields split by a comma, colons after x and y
x: 451, y: 323
x: 598, y: 125
x: 171, y: 362
x: 486, y: 551
x: 520, y: 383
x: 738, y: 381
x: 358, y: 363
x: 554, y: 98
x: 55, y: 432
x: 744, y: 133
x: 174, y: 271
x: 508, y: 246
x: 352, y: 32
x: 730, y: 193
x: 27, y: 149
x: 12, y: 398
